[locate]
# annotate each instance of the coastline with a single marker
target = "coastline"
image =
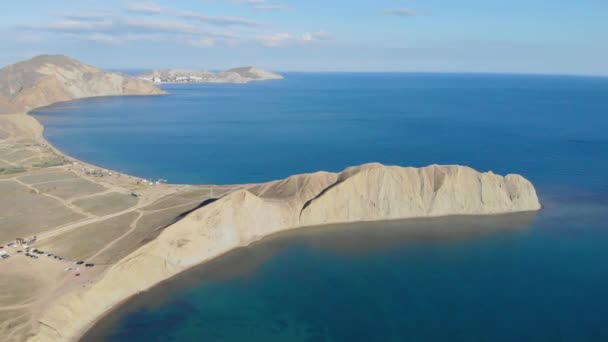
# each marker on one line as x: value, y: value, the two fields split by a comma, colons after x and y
x: 512, y: 222
x: 83, y: 307
x: 37, y: 131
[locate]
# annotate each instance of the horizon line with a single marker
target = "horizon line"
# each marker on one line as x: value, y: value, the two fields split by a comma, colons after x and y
x: 497, y: 73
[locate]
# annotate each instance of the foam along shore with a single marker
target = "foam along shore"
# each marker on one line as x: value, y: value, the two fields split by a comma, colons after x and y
x: 365, y: 193
x: 244, y: 214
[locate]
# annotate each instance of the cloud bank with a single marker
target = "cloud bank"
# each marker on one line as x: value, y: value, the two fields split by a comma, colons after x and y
x: 149, y: 21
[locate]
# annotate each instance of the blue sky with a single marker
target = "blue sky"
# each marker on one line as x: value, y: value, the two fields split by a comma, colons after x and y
x: 520, y: 36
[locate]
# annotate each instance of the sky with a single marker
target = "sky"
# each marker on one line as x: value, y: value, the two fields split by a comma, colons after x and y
x: 515, y: 36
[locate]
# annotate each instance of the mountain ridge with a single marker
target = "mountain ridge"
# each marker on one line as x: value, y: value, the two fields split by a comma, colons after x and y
x: 48, y: 79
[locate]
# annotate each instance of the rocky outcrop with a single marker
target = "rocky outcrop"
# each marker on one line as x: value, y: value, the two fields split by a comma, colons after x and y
x: 367, y: 192
x: 236, y: 75
x: 48, y: 79
x: 376, y: 192
x: 248, y: 74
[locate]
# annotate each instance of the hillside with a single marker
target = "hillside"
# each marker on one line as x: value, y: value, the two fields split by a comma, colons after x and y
x: 363, y: 193
x: 48, y: 79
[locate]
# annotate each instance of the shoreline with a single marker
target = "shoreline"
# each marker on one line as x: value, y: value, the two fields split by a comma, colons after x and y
x: 43, y: 139
x: 74, y: 299
x: 526, y: 217
x: 262, y: 239
x: 38, y: 135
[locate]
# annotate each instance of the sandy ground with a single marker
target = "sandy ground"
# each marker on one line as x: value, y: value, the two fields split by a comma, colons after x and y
x: 78, y: 212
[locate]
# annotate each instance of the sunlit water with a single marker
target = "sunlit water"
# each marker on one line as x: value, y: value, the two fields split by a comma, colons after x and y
x: 508, y: 278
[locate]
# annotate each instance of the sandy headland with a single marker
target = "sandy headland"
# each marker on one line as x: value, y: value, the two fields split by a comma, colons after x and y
x: 138, y: 233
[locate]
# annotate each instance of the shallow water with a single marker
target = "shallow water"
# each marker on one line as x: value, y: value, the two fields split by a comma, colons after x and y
x: 505, y: 278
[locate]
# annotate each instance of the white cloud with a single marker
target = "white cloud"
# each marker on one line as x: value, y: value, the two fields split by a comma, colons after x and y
x: 215, y: 20
x: 315, y: 36
x: 270, y: 7
x: 276, y: 39
x: 145, y: 8
x: 100, y: 37
x: 262, y: 5
x: 402, y: 12
x: 280, y: 39
x: 202, y: 42
x: 156, y: 26
x: 169, y: 25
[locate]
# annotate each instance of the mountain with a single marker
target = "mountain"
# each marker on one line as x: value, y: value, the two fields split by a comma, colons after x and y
x: 48, y: 79
x: 236, y: 75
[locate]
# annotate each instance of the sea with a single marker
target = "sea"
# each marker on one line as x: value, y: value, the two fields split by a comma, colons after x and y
x: 521, y: 277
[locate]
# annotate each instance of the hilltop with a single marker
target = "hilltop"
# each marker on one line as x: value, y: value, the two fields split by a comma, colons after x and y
x: 47, y: 79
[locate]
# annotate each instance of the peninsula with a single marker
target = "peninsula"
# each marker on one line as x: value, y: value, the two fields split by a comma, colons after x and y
x: 236, y: 75
x: 81, y: 239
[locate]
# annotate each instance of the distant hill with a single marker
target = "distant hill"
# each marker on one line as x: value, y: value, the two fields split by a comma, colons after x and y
x: 47, y: 79
x: 236, y: 75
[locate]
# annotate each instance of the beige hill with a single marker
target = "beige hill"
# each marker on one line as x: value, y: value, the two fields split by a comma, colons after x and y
x: 48, y: 79
x: 367, y: 192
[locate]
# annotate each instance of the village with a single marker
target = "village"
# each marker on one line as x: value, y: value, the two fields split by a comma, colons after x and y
x: 85, y: 170
x: 25, y: 248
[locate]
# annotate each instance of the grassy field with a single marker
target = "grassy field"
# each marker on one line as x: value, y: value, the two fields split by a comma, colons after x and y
x: 25, y: 213
x: 47, y: 177
x: 84, y: 242
x: 70, y: 188
x: 105, y: 204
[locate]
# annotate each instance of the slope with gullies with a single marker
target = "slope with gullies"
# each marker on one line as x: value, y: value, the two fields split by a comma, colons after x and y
x: 49, y: 79
x: 363, y: 193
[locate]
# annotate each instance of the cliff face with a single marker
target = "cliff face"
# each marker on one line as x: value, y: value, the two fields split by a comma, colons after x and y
x: 368, y: 192
x: 376, y: 192
x: 47, y: 79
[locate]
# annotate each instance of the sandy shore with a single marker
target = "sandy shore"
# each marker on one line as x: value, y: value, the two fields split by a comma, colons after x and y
x: 106, y: 198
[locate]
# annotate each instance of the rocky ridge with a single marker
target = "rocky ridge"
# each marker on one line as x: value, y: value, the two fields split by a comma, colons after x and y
x: 48, y: 79
x: 364, y: 193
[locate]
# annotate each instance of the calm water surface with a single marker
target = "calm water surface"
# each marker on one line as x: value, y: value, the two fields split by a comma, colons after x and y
x: 519, y: 277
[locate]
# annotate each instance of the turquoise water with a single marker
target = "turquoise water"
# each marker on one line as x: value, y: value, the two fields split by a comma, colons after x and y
x: 539, y: 277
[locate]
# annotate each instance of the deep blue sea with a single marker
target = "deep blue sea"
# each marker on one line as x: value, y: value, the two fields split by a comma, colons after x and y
x: 524, y: 277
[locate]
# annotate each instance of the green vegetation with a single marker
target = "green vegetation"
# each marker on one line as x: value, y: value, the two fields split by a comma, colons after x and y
x: 11, y: 169
x: 51, y: 163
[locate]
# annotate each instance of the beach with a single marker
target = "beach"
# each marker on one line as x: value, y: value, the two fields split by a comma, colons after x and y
x: 87, y: 198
